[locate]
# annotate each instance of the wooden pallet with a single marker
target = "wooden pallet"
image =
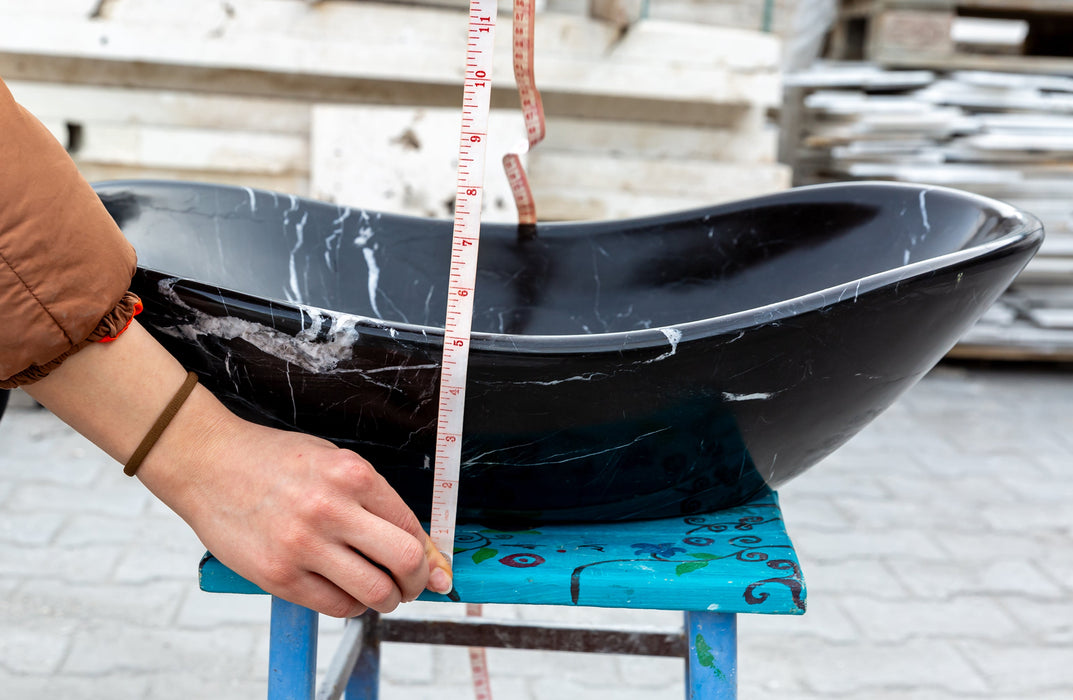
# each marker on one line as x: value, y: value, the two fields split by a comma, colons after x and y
x: 1006, y: 35
x: 357, y: 102
x: 658, y: 71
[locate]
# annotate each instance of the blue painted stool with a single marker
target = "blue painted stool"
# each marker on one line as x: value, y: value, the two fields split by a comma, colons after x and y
x: 710, y: 566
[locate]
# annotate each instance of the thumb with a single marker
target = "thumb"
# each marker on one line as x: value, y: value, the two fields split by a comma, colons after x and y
x: 440, y: 579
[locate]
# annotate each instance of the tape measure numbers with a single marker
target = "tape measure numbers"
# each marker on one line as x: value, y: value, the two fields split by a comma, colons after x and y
x: 532, y: 110
x: 476, y: 96
x: 465, y: 242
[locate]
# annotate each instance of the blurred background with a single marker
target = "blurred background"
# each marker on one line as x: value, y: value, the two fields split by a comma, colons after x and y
x: 937, y: 544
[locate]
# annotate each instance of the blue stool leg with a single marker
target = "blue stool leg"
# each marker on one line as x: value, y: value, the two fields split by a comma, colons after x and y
x: 364, y: 683
x: 712, y: 668
x: 292, y: 654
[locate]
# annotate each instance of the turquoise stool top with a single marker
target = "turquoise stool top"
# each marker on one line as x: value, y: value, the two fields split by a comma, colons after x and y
x: 709, y: 566
x: 739, y: 560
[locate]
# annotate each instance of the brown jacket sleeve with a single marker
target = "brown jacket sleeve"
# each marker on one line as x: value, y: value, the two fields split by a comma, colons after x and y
x: 65, y: 267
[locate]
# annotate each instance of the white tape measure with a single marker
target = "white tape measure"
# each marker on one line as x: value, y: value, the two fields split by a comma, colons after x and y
x: 469, y: 196
x: 477, y: 93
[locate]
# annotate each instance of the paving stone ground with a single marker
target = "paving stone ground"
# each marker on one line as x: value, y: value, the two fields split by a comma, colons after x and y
x: 937, y: 547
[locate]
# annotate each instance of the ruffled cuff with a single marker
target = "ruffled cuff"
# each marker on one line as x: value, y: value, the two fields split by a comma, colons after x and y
x: 109, y: 328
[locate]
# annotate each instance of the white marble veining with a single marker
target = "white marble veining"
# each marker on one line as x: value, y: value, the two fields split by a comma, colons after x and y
x: 324, y: 355
x: 492, y: 459
x: 755, y: 396
x: 924, y: 214
x: 674, y: 336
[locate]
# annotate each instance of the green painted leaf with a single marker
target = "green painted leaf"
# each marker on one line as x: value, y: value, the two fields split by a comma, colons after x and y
x: 687, y: 566
x: 483, y: 554
x: 704, y: 652
x: 705, y: 556
x: 705, y: 657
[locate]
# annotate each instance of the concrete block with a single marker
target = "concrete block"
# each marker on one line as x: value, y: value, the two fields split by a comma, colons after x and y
x: 150, y: 604
x: 1046, y: 621
x: 110, y: 497
x: 107, y: 648
x: 185, y: 686
x: 964, y: 617
x: 202, y: 610
x: 141, y: 564
x: 824, y: 620
x: 39, y: 650
x: 29, y: 528
x: 78, y: 564
x: 44, y: 686
x: 953, y: 578
x: 865, y: 667
x: 832, y: 580
x: 409, y: 664
x: 907, y: 544
x: 554, y: 687
x: 1022, y: 671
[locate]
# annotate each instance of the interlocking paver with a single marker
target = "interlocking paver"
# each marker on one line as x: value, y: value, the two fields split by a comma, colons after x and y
x: 107, y: 648
x: 30, y: 528
x: 965, y: 617
x: 36, y: 686
x: 1049, y: 622
x: 149, y: 604
x: 865, y: 666
x: 1023, y: 670
x: 37, y: 651
x: 64, y: 563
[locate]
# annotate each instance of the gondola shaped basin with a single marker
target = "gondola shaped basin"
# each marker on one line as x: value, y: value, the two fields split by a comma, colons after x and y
x: 618, y: 370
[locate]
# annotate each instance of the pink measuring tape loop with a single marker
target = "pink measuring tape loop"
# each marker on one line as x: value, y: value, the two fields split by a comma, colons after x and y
x: 532, y: 110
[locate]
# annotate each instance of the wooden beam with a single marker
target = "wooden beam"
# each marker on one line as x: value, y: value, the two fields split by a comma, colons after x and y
x: 327, y: 52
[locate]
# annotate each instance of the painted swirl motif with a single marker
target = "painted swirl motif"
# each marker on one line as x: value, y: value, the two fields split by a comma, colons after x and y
x: 793, y: 582
x: 703, y: 540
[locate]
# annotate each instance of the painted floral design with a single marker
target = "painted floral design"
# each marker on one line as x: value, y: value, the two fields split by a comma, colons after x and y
x: 522, y: 560
x: 665, y: 550
x: 703, y: 541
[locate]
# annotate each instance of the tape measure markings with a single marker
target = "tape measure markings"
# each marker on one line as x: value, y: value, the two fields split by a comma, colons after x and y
x: 476, y: 97
x: 532, y: 111
x: 463, y: 272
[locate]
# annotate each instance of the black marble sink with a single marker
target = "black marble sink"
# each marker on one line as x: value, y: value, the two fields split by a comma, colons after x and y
x: 618, y: 370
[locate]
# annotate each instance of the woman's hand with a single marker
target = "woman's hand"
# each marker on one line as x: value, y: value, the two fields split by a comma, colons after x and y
x: 292, y: 513
x: 299, y: 517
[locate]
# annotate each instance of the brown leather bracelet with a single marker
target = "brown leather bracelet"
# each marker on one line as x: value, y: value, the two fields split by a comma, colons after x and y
x: 161, y: 424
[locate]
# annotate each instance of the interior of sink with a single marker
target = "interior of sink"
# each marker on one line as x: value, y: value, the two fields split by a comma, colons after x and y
x: 617, y: 277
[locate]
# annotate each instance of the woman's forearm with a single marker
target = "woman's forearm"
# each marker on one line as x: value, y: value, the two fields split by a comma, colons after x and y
x: 288, y: 511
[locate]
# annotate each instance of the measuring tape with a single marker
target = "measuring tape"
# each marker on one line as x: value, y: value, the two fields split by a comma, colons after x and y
x: 469, y: 195
x: 477, y: 93
x: 532, y: 110
x: 465, y: 241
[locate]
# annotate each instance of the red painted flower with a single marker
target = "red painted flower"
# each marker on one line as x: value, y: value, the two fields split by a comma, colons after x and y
x: 522, y: 560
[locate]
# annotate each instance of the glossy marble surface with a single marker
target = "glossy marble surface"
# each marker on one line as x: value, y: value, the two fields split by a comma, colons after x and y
x: 619, y: 370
